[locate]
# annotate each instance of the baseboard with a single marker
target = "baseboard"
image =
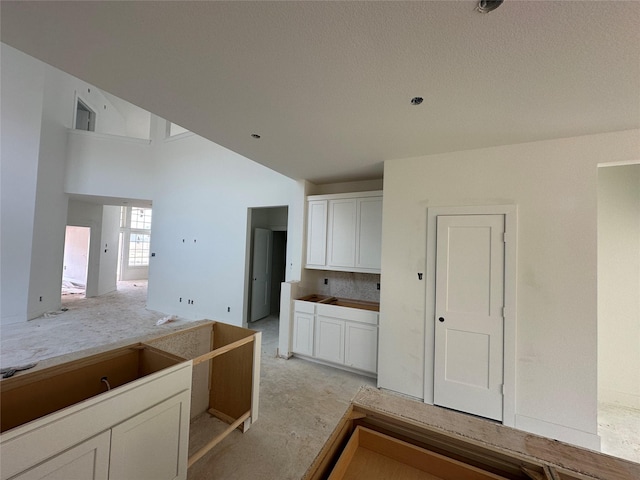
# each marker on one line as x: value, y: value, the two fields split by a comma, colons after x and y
x: 558, y: 432
x: 620, y: 399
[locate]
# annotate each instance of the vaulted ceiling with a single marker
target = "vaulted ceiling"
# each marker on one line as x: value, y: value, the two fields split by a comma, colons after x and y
x: 327, y: 85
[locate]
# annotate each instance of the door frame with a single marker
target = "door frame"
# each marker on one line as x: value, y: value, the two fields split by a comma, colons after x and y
x: 510, y: 213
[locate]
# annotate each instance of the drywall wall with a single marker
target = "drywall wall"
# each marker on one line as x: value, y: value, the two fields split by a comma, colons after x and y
x: 108, y: 165
x: 38, y: 105
x: 554, y: 185
x: 108, y: 273
x: 199, y: 234
x: 619, y: 285
x: 104, y: 222
x: 49, y: 224
x: 76, y: 254
x: 21, y: 113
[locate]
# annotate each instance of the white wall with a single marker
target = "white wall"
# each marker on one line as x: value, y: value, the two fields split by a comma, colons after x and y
x: 38, y: 105
x: 554, y: 185
x: 109, y: 236
x: 21, y: 113
x: 619, y: 285
x: 202, y: 192
x: 104, y: 222
x: 107, y: 165
x: 51, y: 202
x: 76, y: 254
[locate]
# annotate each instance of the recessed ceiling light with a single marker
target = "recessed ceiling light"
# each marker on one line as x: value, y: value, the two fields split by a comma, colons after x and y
x: 417, y: 100
x: 255, y: 135
x: 486, y: 6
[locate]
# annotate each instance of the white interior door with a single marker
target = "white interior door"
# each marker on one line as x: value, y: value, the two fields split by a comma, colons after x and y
x: 469, y: 324
x: 261, y: 274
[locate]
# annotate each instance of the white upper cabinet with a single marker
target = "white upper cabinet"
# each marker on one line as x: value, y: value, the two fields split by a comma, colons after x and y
x: 369, y: 236
x: 344, y: 232
x: 341, y: 233
x: 317, y: 232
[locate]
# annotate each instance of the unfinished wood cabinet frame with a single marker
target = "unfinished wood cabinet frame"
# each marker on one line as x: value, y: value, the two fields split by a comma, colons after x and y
x: 235, y: 369
x: 493, y: 448
x: 65, y: 389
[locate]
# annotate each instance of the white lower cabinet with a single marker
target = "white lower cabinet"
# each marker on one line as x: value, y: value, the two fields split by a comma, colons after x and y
x: 148, y: 446
x: 88, y: 460
x: 344, y: 336
x: 303, y: 327
x: 329, y: 339
x: 139, y: 431
x: 361, y: 346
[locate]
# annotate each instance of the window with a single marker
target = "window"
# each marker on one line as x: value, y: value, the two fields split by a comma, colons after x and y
x: 139, y: 249
x: 136, y: 224
x: 140, y: 218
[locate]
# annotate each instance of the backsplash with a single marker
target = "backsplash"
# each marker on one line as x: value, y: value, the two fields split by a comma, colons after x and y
x: 356, y: 286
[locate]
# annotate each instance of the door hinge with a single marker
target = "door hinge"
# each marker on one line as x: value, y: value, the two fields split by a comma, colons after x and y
x: 504, y: 237
x: 502, y: 389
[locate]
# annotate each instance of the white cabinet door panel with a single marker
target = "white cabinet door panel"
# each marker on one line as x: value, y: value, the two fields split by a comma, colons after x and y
x: 317, y: 232
x: 303, y: 324
x: 369, y: 235
x: 341, y: 233
x: 361, y: 346
x: 329, y: 341
x: 153, y: 445
x: 88, y: 460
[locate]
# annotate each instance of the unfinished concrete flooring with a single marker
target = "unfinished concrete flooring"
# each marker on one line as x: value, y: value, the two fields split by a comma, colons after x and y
x: 300, y: 402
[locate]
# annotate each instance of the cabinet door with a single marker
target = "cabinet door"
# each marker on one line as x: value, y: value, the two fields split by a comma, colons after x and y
x: 154, y: 444
x: 329, y: 339
x: 317, y: 232
x: 341, y: 233
x: 303, y: 333
x: 88, y: 460
x: 369, y: 234
x: 361, y: 346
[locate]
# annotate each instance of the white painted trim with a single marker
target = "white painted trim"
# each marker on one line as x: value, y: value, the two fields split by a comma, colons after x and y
x: 621, y: 163
x: 558, y: 432
x: 510, y: 293
x: 179, y: 136
x: 333, y: 196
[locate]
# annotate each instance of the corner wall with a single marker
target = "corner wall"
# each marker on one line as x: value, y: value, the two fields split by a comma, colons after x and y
x: 619, y: 285
x: 202, y: 193
x: 21, y: 116
x: 38, y: 103
x: 554, y: 185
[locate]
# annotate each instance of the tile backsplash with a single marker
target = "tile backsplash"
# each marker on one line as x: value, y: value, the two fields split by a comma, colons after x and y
x: 357, y: 286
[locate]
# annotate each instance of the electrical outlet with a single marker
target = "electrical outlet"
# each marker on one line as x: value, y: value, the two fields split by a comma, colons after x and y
x: 180, y: 300
x: 40, y: 298
x: 326, y: 281
x: 378, y: 286
x: 228, y: 309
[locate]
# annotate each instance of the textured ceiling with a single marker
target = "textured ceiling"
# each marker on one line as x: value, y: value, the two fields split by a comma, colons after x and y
x: 328, y: 84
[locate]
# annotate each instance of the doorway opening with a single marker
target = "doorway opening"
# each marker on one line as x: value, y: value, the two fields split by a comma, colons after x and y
x: 85, y: 117
x: 75, y: 265
x: 619, y: 310
x: 266, y: 266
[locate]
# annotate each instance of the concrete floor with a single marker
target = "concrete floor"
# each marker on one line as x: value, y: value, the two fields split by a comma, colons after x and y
x: 300, y: 401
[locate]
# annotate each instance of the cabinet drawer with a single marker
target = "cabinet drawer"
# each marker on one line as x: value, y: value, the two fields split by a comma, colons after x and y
x: 346, y: 313
x: 304, y: 307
